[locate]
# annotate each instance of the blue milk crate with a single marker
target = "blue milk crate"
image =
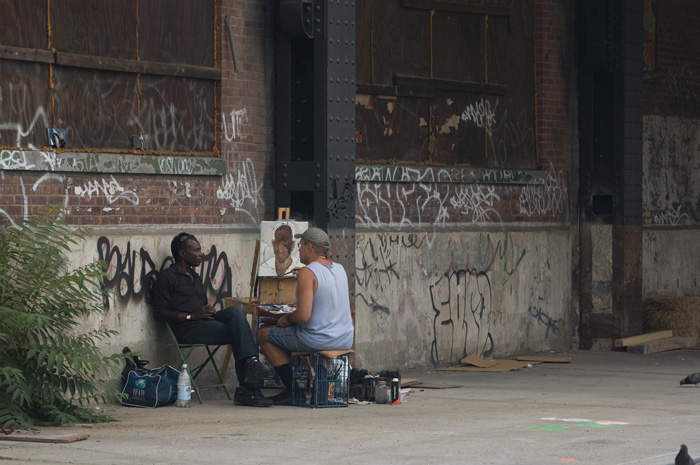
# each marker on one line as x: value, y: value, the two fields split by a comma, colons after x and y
x: 320, y: 381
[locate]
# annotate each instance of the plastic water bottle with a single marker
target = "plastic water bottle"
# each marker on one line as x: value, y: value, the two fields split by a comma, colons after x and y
x: 380, y: 393
x: 184, y: 388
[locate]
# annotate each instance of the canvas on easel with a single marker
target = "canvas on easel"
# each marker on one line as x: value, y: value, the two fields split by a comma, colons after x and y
x: 279, y: 253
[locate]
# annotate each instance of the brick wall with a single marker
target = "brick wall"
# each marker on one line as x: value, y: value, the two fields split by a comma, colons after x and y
x: 556, y: 72
x: 244, y: 124
x: 435, y: 196
x: 672, y: 87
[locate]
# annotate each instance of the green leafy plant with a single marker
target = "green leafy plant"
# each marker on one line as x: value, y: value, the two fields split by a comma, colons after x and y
x: 50, y: 373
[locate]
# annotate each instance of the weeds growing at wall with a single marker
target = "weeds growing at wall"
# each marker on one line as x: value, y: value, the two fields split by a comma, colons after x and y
x: 50, y: 373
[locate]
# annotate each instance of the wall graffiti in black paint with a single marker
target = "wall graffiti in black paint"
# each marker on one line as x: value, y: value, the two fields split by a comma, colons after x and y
x: 462, y: 303
x: 342, y: 203
x: 379, y: 258
x: 131, y: 274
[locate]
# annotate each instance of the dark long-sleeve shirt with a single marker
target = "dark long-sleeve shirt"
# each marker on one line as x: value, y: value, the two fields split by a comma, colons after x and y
x: 175, y: 291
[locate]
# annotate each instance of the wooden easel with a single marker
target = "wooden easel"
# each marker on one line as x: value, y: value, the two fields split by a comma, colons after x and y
x: 282, y: 214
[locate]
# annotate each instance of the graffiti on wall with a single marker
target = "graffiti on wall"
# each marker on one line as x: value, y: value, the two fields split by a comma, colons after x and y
x: 462, y: 297
x: 462, y: 303
x: 25, y: 117
x: 482, y: 131
x: 546, y: 198
x: 240, y: 188
x: 673, y: 216
x: 480, y: 114
x: 477, y: 202
x: 428, y: 174
x: 15, y: 160
x: 131, y: 274
x: 233, y: 124
x: 424, y: 205
x: 428, y: 199
x: 111, y: 190
x: 458, y: 284
x: 341, y: 200
x: 671, y: 194
x: 535, y: 310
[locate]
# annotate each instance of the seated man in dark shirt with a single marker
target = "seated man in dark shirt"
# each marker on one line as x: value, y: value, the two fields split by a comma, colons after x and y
x: 180, y: 300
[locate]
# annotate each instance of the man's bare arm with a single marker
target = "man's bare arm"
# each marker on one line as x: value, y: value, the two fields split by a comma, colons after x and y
x: 306, y: 287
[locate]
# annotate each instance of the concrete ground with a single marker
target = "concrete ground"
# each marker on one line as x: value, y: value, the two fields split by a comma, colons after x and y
x: 602, y: 408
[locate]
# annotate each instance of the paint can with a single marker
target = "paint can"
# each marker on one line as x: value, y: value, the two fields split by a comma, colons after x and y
x: 395, y: 391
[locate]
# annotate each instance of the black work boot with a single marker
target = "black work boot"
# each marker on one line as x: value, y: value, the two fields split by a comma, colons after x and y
x: 250, y: 397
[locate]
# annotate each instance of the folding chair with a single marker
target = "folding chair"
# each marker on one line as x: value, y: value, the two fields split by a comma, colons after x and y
x: 185, y: 350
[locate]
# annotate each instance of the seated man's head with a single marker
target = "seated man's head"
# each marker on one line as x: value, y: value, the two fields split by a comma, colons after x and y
x: 314, y: 242
x: 186, y: 249
x: 283, y: 242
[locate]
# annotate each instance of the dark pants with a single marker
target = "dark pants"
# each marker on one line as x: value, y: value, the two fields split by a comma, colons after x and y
x: 229, y: 326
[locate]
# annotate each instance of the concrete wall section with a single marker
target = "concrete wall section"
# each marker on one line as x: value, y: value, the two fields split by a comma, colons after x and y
x: 425, y: 301
x: 134, y: 259
x: 671, y: 262
x: 671, y: 205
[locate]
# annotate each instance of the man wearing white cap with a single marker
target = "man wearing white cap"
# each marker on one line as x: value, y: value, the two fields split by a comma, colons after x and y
x: 322, y: 320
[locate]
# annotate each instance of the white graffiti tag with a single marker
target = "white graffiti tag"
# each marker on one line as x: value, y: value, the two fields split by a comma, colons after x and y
x: 477, y: 202
x: 673, y: 217
x: 242, y: 191
x: 112, y: 191
x: 480, y: 113
x: 545, y: 198
x: 233, y: 127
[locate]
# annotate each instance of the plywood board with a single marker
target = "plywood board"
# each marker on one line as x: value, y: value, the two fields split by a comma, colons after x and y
x: 39, y: 437
x: 543, y: 359
x: 663, y: 345
x: 634, y: 340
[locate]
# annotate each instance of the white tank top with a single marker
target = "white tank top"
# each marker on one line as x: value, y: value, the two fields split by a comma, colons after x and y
x: 330, y: 326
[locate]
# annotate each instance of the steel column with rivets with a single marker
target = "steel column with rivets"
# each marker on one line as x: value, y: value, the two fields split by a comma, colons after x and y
x: 315, y: 119
x: 611, y: 110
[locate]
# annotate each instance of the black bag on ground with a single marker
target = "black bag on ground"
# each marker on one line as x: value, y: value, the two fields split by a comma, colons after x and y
x: 150, y: 388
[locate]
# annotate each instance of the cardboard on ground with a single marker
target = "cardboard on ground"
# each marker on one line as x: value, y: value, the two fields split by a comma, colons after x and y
x: 476, y: 363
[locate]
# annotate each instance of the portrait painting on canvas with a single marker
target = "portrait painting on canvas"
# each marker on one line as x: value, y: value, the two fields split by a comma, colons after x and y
x: 279, y: 253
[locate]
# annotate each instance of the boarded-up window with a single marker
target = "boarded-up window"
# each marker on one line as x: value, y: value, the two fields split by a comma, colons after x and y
x: 446, y: 82
x: 107, y: 71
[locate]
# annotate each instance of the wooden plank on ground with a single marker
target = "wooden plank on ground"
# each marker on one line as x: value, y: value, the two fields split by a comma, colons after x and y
x: 543, y: 359
x: 634, y: 340
x: 663, y: 345
x: 50, y: 438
